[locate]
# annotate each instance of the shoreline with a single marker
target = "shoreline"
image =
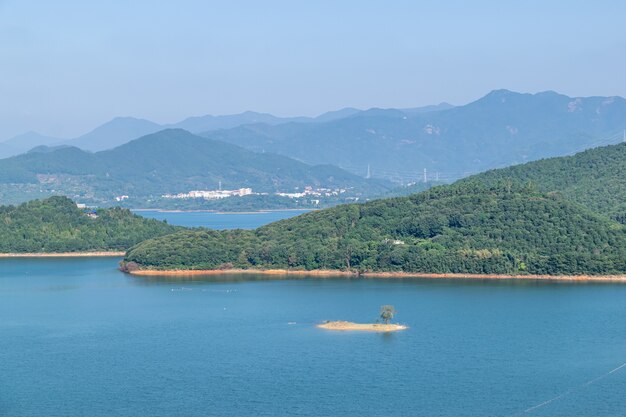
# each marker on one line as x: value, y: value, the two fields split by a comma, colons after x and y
x: 62, y: 254
x: 220, y: 211
x: 388, y: 275
x: 341, y: 325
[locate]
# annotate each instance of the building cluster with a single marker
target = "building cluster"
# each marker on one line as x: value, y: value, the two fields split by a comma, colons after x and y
x: 317, y: 192
x: 219, y: 194
x: 211, y: 194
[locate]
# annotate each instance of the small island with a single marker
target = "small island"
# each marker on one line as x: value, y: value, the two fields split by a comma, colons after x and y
x: 368, y: 327
x: 386, y: 314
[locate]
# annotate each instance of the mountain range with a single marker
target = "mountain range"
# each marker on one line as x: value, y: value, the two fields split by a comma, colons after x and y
x: 501, y: 129
x: 121, y: 130
x: 431, y: 144
x: 170, y: 161
x: 439, y: 143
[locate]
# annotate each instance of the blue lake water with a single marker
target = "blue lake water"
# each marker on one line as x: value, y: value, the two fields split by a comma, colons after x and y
x: 79, y: 338
x: 220, y: 220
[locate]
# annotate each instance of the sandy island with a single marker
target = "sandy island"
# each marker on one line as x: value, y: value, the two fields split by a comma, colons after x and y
x: 60, y: 254
x: 364, y: 327
x: 390, y: 275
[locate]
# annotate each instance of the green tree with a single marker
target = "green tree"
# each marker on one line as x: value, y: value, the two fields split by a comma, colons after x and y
x: 387, y: 312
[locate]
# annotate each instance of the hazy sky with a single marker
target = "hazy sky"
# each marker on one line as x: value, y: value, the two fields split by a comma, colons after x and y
x: 67, y: 66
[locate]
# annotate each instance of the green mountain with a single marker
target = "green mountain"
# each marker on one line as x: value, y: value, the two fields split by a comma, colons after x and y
x: 501, y: 129
x: 549, y: 217
x: 57, y: 225
x: 170, y: 161
x: 595, y: 178
x: 464, y: 228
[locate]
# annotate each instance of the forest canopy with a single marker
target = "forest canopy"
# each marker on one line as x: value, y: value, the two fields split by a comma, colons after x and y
x: 463, y: 228
x: 56, y: 224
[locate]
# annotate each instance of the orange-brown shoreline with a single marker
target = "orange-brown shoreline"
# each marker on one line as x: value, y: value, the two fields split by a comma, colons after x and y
x: 61, y: 254
x: 394, y: 275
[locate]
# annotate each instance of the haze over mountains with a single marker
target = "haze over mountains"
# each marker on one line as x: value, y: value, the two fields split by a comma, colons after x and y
x: 169, y: 161
x: 500, y: 129
x: 121, y: 130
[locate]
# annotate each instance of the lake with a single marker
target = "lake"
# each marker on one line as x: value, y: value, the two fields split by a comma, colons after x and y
x: 79, y: 338
x: 215, y: 220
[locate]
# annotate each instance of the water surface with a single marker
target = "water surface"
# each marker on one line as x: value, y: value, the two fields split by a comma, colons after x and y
x: 215, y: 220
x: 78, y: 338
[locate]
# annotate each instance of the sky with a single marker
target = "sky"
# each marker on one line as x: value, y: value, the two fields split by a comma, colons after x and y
x: 68, y: 66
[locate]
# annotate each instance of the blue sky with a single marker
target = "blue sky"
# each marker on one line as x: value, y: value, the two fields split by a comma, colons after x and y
x: 67, y: 66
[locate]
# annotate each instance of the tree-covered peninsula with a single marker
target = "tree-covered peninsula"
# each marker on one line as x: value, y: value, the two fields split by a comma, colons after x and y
x: 56, y: 224
x: 502, y: 228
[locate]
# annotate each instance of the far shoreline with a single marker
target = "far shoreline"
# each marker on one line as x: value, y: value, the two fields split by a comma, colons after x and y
x: 116, y: 254
x: 139, y: 210
x: 387, y: 275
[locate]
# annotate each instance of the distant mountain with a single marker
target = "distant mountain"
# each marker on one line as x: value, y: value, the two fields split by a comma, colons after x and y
x: 209, y: 122
x: 24, y: 142
x: 335, y: 115
x: 426, y: 109
x: 169, y: 161
x: 500, y: 129
x: 47, y: 149
x: 114, y: 133
x: 6, y: 151
x: 121, y: 130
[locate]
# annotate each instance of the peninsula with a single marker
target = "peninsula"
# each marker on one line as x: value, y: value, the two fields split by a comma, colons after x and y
x: 465, y: 229
x: 508, y: 223
x: 56, y: 226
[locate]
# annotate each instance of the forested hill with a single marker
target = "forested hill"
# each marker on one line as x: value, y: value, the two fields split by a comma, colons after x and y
x: 465, y: 228
x: 57, y: 225
x: 170, y: 161
x: 595, y: 178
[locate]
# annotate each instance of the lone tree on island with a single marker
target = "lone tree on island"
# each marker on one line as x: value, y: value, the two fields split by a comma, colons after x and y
x: 387, y: 312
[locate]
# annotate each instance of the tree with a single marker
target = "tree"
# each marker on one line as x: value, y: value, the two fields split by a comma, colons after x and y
x: 387, y: 312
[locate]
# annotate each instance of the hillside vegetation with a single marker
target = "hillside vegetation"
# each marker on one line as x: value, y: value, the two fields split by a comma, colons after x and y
x: 595, y: 178
x: 57, y: 225
x: 170, y: 161
x: 464, y: 228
